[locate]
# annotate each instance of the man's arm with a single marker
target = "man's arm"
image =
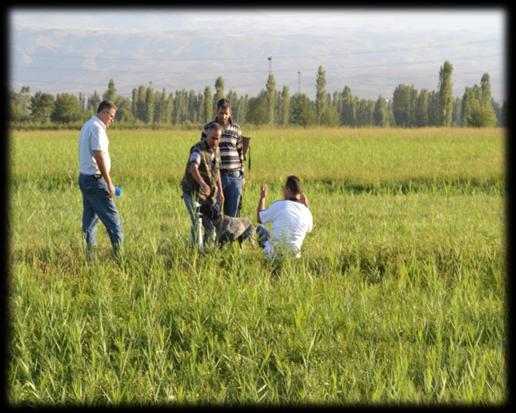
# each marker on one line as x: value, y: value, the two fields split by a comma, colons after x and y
x: 304, y: 199
x: 204, y: 187
x: 101, y: 163
x: 264, y: 192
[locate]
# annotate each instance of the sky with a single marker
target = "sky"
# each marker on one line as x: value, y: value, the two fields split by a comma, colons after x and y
x: 370, y: 50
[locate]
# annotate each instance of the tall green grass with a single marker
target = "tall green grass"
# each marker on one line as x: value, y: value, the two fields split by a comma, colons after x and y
x: 399, y: 296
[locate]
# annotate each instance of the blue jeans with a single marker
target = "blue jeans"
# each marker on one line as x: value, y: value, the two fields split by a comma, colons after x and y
x: 97, y: 204
x: 209, y: 227
x: 264, y: 240
x: 232, y: 188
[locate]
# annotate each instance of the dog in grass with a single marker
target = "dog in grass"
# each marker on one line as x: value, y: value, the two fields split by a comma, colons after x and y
x: 228, y: 229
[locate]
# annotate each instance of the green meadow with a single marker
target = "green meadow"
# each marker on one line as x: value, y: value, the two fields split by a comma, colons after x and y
x: 399, y: 297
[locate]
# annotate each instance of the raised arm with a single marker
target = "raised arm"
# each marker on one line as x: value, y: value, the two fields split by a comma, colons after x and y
x: 264, y: 192
x: 304, y: 199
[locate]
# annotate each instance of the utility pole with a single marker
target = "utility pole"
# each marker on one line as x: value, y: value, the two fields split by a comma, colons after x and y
x: 270, y: 65
x: 298, y: 82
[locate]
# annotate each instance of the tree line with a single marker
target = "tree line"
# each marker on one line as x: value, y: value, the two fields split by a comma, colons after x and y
x: 408, y: 107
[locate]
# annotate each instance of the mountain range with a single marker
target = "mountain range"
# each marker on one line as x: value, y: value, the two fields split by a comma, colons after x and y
x: 371, y: 61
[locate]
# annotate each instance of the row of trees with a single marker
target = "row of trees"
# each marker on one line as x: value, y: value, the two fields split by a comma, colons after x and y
x: 147, y: 106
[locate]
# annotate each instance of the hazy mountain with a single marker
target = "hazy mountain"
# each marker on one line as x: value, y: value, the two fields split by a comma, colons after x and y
x: 371, y: 61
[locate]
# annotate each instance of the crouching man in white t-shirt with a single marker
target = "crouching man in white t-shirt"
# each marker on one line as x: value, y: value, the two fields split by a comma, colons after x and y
x: 291, y: 220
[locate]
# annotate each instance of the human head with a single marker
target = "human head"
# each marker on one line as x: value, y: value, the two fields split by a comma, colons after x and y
x: 292, y: 187
x: 213, y: 135
x: 106, y: 112
x: 223, y: 111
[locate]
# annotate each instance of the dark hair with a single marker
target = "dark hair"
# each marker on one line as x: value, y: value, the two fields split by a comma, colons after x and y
x: 106, y: 104
x: 294, y: 184
x: 223, y: 103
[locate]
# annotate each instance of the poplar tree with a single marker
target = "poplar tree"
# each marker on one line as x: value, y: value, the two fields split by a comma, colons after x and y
x: 23, y: 101
x: 488, y: 111
x: 285, y: 100
x: 412, y: 105
x: 169, y: 107
x: 67, y: 108
x: 242, y: 109
x: 159, y: 109
x: 123, y: 113
x: 422, y: 104
x: 445, y: 94
x: 404, y: 105
x: 271, y: 98
x: 140, y: 103
x: 84, y: 101
x: 207, y: 111
x: 134, y: 101
x: 477, y: 107
x: 485, y: 90
x: 233, y: 99
x: 257, y: 109
x: 41, y: 106
x: 180, y: 106
x: 14, y: 111
x: 329, y: 116
x: 380, y: 112
x: 219, y: 92
x: 337, y: 102
x: 110, y: 93
x: 468, y: 105
x: 320, y: 96
x: 401, y: 105
x: 433, y: 109
x: 301, y: 110
x: 457, y: 114
x: 149, y: 105
x: 93, y: 103
x: 348, y: 109
x: 365, y: 112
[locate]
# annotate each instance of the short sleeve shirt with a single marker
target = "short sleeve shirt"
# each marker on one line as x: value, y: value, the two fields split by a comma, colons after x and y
x: 93, y: 137
x: 195, y: 157
x: 291, y: 221
x: 231, y: 146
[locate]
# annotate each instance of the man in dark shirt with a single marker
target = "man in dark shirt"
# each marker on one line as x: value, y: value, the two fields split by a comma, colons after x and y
x: 201, y: 181
x: 232, y: 152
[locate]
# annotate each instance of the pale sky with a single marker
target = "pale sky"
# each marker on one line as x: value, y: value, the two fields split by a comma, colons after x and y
x: 483, y: 21
x: 372, y: 50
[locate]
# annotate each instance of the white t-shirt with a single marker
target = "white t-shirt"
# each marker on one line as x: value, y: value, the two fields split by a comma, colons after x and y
x: 93, y: 137
x: 291, y: 221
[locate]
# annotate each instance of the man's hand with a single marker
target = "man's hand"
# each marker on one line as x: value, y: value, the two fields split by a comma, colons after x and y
x: 220, y: 198
x: 101, y: 163
x: 304, y: 199
x: 111, y: 188
x: 264, y: 192
x: 205, y: 188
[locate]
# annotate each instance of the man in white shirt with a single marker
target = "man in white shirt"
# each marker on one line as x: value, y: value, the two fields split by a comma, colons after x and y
x: 291, y: 220
x: 95, y: 182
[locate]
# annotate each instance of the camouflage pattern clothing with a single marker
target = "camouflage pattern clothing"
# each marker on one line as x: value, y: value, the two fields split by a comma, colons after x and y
x: 209, y: 169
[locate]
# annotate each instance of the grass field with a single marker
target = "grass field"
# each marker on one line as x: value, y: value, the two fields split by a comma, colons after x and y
x: 399, y: 297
